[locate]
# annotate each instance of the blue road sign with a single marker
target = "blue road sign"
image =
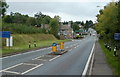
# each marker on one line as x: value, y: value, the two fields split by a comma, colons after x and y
x: 54, y: 44
x: 117, y: 36
x: 5, y: 34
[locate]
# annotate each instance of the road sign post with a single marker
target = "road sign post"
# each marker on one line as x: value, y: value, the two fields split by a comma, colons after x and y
x: 9, y: 39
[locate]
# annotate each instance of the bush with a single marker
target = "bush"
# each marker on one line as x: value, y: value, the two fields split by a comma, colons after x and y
x: 21, y: 29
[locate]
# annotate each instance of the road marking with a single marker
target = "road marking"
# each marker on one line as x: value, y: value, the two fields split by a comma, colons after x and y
x: 41, y: 59
x: 90, y: 72
x: 30, y: 64
x: 23, y: 53
x: 11, y: 72
x: 54, y: 58
x: 38, y: 57
x: 88, y: 62
x: 31, y: 69
x: 12, y: 66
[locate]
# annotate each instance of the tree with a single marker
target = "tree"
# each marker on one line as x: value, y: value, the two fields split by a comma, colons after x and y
x: 82, y: 23
x: 7, y: 19
x: 54, y: 27
x: 46, y: 20
x: 15, y: 18
x: 3, y: 7
x: 75, y: 27
x: 31, y: 21
x: 108, y: 22
x: 39, y: 17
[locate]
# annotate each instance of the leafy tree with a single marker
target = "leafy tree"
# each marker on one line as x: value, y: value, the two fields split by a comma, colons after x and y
x: 108, y: 22
x: 75, y: 26
x: 54, y: 24
x: 46, y: 20
x: 82, y: 23
x: 3, y: 7
x: 31, y: 21
x: 7, y: 19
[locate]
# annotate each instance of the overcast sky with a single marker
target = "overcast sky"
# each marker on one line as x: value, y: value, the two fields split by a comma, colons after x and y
x: 76, y: 10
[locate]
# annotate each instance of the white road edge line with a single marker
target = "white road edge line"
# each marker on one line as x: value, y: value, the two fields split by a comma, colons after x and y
x: 90, y: 72
x: 31, y: 69
x: 88, y: 61
x: 54, y: 58
x: 12, y: 67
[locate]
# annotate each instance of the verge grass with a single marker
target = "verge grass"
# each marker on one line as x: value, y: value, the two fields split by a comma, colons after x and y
x: 113, y: 61
x: 21, y: 42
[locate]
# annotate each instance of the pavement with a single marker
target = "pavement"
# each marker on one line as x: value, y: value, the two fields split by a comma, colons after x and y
x: 100, y: 66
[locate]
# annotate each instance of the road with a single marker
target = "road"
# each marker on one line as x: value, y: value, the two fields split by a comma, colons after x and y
x: 38, y: 63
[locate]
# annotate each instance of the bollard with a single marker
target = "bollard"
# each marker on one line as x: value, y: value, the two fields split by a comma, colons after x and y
x: 29, y: 44
x: 115, y: 52
x: 35, y: 45
x: 110, y: 48
x: 62, y: 46
x: 54, y: 47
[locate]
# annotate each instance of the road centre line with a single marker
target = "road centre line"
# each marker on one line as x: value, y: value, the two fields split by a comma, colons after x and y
x: 31, y: 69
x: 54, y: 58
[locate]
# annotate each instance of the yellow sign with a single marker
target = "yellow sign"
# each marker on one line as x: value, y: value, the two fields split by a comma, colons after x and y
x: 54, y: 48
x: 62, y: 45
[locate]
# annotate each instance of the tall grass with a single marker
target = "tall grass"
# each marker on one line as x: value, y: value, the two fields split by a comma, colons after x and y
x: 21, y: 28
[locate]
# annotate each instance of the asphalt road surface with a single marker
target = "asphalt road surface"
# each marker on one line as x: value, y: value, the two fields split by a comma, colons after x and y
x: 39, y: 63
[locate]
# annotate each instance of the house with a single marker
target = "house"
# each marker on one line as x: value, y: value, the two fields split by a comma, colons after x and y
x: 46, y: 27
x: 66, y: 32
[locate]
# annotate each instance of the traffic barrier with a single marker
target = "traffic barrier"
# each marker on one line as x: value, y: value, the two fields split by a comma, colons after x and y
x: 62, y: 45
x: 54, y: 47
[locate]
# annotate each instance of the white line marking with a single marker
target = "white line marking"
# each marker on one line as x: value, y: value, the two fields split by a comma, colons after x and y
x: 41, y: 59
x: 12, y: 66
x: 38, y: 57
x: 11, y: 72
x: 91, y: 64
x: 31, y: 69
x: 88, y: 61
x: 22, y: 53
x: 54, y: 58
x: 30, y: 64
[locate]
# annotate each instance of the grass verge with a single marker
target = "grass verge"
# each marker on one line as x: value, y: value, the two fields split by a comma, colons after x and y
x: 24, y: 48
x: 113, y: 61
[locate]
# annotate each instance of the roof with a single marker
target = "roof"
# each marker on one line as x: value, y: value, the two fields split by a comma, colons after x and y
x: 65, y: 27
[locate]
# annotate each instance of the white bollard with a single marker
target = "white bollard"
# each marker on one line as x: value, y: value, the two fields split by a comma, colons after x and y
x: 9, y: 41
